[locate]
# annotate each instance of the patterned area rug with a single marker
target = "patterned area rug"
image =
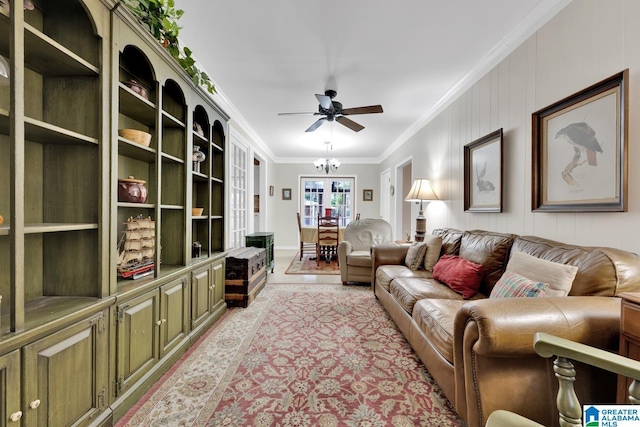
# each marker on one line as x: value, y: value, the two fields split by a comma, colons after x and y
x: 299, y: 355
x: 310, y: 266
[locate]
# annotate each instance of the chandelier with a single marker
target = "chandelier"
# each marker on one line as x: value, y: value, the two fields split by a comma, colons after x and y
x: 325, y: 165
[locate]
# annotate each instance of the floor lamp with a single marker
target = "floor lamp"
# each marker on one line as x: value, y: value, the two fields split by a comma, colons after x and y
x: 421, y: 191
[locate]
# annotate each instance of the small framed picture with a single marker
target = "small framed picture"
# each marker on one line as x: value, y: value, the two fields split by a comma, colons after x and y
x: 367, y: 195
x: 286, y: 194
x: 483, y: 174
x: 271, y: 190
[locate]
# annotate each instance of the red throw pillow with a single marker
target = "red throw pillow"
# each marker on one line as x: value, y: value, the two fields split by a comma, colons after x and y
x: 461, y: 275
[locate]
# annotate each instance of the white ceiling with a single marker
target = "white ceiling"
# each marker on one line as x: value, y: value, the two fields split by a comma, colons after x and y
x: 410, y: 56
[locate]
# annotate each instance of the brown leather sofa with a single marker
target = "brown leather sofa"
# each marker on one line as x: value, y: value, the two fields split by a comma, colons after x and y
x: 480, y: 351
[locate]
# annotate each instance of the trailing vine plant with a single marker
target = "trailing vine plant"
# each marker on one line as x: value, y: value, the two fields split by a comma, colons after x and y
x: 160, y: 18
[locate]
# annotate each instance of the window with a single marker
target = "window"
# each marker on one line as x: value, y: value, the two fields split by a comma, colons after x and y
x: 322, y: 196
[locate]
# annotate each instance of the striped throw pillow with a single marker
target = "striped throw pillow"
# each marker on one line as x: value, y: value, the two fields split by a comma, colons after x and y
x: 513, y: 285
x: 415, y: 255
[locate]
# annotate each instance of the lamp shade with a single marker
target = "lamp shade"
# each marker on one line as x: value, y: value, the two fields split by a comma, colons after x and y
x: 421, y: 190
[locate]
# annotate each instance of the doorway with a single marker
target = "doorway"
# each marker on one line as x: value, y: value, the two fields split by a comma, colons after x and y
x: 326, y: 196
x: 403, y: 223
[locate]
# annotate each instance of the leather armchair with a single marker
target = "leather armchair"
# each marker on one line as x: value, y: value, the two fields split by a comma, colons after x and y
x: 354, y: 252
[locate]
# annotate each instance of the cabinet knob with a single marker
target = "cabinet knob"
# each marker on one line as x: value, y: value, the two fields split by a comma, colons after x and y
x: 34, y: 404
x: 210, y: 288
x: 16, y: 416
x: 159, y: 322
x: 164, y: 320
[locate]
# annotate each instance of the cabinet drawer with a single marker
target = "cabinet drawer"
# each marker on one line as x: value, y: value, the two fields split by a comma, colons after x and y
x: 630, y: 324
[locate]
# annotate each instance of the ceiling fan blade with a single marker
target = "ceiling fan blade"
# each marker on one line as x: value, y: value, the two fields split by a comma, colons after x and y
x: 325, y: 102
x: 296, y: 114
x: 371, y: 109
x: 350, y: 124
x: 316, y: 125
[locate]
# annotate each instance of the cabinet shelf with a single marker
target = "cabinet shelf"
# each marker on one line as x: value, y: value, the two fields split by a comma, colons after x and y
x: 217, y: 147
x: 136, y: 205
x: 4, y: 230
x: 199, y: 139
x: 137, y: 107
x: 170, y: 158
x: 50, y: 58
x: 172, y: 207
x: 58, y: 227
x: 171, y: 122
x: 197, y: 176
x: 135, y: 150
x: 43, y: 310
x: 45, y: 133
x: 199, y: 218
x: 218, y: 180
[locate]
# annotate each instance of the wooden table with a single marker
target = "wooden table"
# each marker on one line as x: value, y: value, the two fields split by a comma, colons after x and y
x: 310, y: 234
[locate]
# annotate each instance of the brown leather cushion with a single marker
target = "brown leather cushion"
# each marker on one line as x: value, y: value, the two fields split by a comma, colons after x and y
x: 386, y: 273
x: 435, y: 319
x: 489, y: 249
x: 407, y: 291
x: 601, y: 271
x: 450, y: 240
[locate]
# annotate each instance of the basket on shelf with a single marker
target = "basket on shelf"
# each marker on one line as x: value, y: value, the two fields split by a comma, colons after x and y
x: 196, y: 211
x: 135, y: 135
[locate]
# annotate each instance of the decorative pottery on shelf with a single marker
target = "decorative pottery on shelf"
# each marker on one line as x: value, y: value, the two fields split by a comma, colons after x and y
x: 196, y: 250
x: 132, y: 190
x: 197, y: 157
x: 1, y: 220
x: 135, y: 135
x: 26, y: 4
x: 198, y: 129
x: 138, y: 88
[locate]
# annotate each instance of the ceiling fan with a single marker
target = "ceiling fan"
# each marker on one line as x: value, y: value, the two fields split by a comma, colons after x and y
x: 332, y: 110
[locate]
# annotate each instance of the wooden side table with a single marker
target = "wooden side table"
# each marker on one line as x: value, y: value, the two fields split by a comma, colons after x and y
x: 629, y: 338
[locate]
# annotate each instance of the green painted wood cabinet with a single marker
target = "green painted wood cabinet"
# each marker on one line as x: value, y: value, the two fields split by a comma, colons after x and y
x: 65, y: 375
x: 79, y: 343
x: 201, y: 295
x: 10, y: 387
x: 138, y: 333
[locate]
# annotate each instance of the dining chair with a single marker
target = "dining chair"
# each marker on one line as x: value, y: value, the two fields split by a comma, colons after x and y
x: 328, y: 238
x: 309, y: 247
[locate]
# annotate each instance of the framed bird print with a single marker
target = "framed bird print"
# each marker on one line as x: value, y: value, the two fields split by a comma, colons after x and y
x: 580, y: 148
x: 483, y: 174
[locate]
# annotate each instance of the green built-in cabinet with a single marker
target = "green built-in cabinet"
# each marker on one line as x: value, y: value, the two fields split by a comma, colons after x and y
x: 79, y: 344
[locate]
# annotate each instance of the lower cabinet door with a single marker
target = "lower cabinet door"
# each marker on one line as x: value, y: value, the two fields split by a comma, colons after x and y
x: 65, y: 375
x: 10, y: 411
x: 201, y: 295
x: 174, y: 316
x: 218, y: 271
x: 137, y: 338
